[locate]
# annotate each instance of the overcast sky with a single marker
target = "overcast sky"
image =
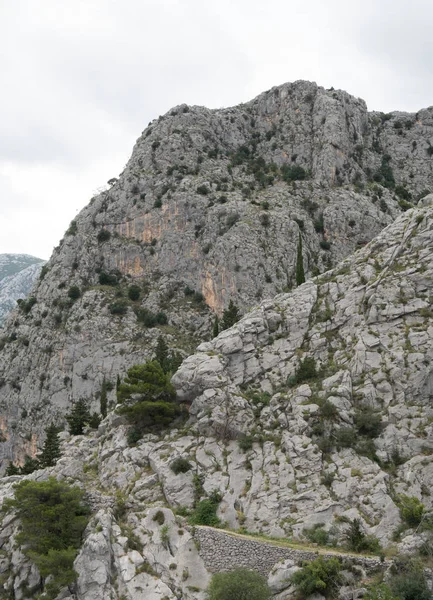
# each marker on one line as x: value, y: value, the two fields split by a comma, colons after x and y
x: 81, y: 79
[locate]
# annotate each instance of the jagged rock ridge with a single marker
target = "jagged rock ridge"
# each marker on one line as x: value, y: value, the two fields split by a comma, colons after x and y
x: 213, y: 201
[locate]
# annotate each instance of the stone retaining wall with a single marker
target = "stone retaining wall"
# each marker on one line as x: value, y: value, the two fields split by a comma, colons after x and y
x: 221, y: 551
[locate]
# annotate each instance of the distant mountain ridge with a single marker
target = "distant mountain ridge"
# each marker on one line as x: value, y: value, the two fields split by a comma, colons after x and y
x: 18, y: 272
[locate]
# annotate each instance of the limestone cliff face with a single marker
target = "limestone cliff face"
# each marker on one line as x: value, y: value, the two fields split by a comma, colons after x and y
x: 314, y: 409
x: 333, y: 386
x: 213, y: 201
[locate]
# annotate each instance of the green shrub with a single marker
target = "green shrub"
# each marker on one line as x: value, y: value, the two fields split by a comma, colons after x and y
x: 72, y: 229
x: 411, y: 510
x: 245, y: 442
x: 74, y: 292
x: 293, y: 173
x: 368, y: 423
x: 239, y: 584
x: 205, y: 511
x: 306, y: 370
x: 159, y: 517
x: 410, y: 586
x: 27, y: 305
x: 103, y: 236
x: 134, y: 292
x: 380, y: 592
x: 320, y: 576
x: 317, y: 535
x: 120, y: 307
x: 108, y: 278
x: 202, y: 190
x: 325, y: 245
x: 150, y: 319
x: 53, y: 518
x: 358, y: 541
x: 180, y: 465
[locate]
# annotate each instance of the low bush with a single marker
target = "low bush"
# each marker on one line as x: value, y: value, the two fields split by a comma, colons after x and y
x: 205, y: 512
x: 103, y: 236
x: 180, y: 465
x: 319, y: 576
x: 239, y: 584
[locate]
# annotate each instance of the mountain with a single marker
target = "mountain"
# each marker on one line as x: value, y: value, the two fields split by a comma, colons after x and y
x: 309, y: 415
x: 213, y: 206
x: 18, y: 273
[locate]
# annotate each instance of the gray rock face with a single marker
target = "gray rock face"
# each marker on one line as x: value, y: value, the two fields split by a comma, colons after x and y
x: 18, y: 273
x: 207, y: 202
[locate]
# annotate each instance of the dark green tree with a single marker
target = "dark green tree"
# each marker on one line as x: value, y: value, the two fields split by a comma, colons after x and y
x: 79, y: 417
x: 30, y: 465
x: 320, y: 576
x: 239, y: 584
x: 216, y: 327
x: 103, y: 399
x: 53, y: 518
x: 230, y: 316
x: 161, y: 354
x: 149, y: 398
x: 300, y: 273
x: 12, y: 470
x: 51, y: 449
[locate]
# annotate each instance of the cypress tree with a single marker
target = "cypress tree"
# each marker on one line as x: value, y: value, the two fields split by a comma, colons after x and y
x: 161, y: 354
x: 230, y: 316
x: 78, y: 417
x: 103, y: 400
x: 51, y: 450
x: 216, y: 327
x: 300, y: 273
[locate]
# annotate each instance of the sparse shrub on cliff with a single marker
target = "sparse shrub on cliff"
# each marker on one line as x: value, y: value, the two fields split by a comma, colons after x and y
x: 108, y: 278
x: 74, y: 292
x: 103, y: 236
x: 180, y: 465
x: 319, y: 576
x: 205, y: 511
x: 120, y: 307
x: 134, y: 292
x: 306, y: 370
x: 300, y: 273
x: 150, y: 319
x: 239, y: 584
x: 72, y: 229
x: 411, y: 510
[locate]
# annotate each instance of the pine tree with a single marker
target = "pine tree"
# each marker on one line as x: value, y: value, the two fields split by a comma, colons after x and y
x: 51, y: 450
x: 216, y: 327
x: 231, y: 316
x: 300, y: 273
x: 78, y: 417
x: 161, y: 354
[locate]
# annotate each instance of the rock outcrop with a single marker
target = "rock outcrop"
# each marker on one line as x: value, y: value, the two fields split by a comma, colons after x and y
x: 211, y: 207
